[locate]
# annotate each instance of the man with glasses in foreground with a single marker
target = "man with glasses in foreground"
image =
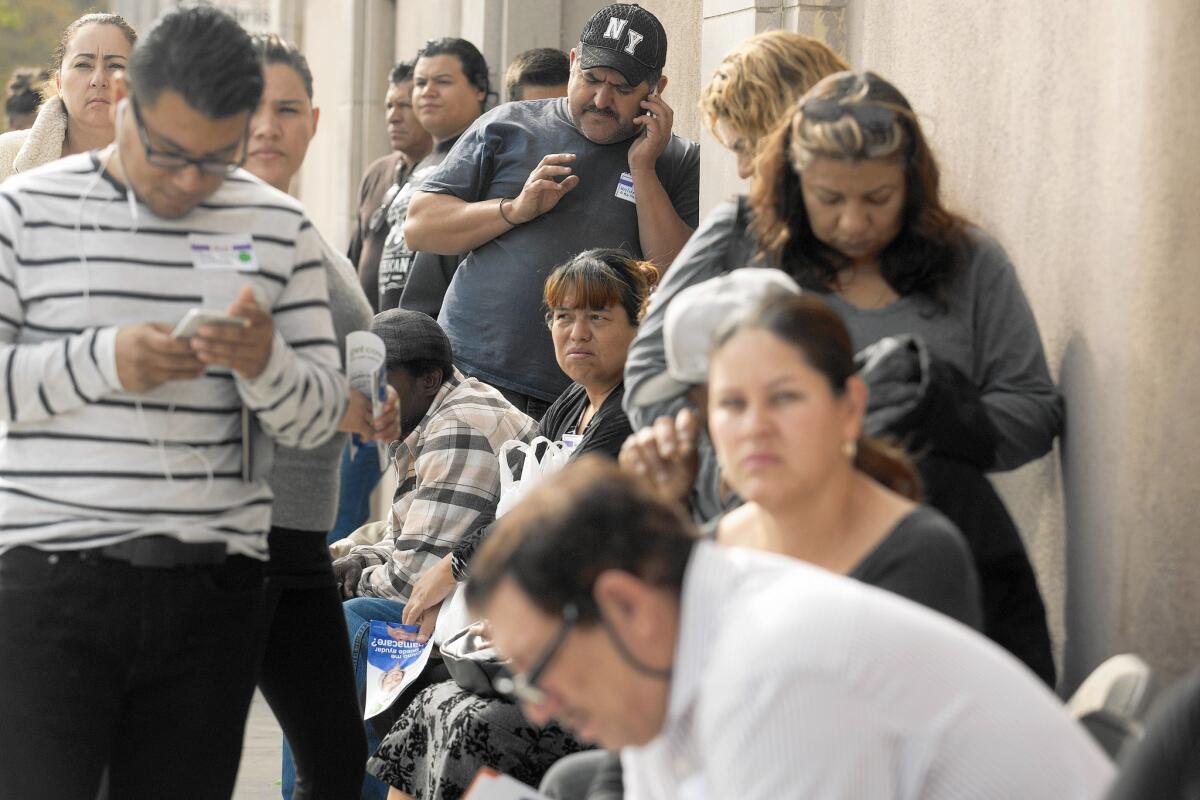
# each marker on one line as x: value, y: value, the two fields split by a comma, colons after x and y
x: 135, y: 507
x: 724, y: 672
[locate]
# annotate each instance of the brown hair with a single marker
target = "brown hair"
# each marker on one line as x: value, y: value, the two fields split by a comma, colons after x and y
x: 758, y: 82
x: 861, y: 116
x: 578, y: 523
x: 64, y: 41
x: 601, y: 278
x: 541, y: 66
x: 274, y: 49
x: 812, y: 327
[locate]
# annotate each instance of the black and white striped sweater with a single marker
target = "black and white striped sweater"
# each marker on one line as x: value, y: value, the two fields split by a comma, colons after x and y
x: 84, y: 463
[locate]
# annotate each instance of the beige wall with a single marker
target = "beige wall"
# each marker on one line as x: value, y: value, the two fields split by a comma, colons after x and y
x: 1069, y: 130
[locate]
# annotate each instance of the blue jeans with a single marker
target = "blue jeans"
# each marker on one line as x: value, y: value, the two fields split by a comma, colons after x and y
x: 358, y: 612
x: 359, y: 477
x: 147, y: 670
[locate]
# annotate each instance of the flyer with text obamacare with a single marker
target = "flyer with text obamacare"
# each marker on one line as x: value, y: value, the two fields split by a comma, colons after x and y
x: 394, y: 660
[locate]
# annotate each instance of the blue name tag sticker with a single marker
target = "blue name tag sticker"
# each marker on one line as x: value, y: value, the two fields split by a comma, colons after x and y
x: 625, y: 188
x: 224, y: 251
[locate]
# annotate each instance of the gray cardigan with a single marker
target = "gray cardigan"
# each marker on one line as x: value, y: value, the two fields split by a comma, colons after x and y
x: 305, y: 482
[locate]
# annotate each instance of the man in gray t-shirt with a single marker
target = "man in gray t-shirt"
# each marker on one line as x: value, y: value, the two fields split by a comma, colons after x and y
x: 531, y: 184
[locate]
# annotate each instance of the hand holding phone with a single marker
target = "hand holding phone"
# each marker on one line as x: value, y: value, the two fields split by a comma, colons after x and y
x: 240, y: 338
x: 656, y: 119
x: 193, y: 319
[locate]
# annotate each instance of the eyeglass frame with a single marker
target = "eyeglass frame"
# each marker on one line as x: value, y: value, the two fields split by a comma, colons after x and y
x: 178, y: 161
x: 523, y: 685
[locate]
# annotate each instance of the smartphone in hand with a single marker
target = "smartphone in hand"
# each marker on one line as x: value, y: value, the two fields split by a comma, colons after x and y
x: 196, y: 317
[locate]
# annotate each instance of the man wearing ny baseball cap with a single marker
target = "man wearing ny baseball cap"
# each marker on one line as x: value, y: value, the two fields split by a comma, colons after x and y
x: 532, y: 183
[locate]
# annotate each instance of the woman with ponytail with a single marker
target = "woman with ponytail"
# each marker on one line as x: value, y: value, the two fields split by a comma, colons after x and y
x: 785, y: 412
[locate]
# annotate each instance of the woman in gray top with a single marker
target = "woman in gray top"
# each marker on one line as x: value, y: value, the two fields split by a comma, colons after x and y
x: 306, y: 675
x: 846, y: 200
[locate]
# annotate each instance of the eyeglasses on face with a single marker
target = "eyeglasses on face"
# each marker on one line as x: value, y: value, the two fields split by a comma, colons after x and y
x: 171, y: 160
x: 523, y: 685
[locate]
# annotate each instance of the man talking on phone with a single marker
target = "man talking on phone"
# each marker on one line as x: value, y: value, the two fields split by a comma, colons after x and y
x: 133, y: 530
x: 532, y: 183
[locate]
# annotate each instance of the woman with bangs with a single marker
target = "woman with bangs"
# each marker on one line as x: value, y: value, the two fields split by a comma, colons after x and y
x: 594, y: 303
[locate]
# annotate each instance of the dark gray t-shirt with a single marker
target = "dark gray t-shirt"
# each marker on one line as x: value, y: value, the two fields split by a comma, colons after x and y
x: 493, y: 310
x: 926, y: 559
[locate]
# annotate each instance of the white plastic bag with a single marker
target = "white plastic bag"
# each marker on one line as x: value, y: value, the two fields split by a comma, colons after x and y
x: 554, y: 457
x: 454, y: 614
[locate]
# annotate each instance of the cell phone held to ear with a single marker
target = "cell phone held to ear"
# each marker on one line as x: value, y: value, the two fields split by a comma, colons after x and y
x: 196, y: 317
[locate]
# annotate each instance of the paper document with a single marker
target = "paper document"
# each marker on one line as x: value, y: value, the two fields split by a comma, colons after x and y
x: 365, y: 357
x: 491, y: 785
x: 394, y: 660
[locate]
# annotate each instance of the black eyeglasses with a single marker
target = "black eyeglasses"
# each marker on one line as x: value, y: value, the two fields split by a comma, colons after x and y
x: 523, y: 686
x: 175, y: 161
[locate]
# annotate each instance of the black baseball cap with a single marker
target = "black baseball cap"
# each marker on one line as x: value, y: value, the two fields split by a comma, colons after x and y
x: 627, y: 38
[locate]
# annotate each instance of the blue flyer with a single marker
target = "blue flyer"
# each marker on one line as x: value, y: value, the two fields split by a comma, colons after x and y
x: 395, y: 657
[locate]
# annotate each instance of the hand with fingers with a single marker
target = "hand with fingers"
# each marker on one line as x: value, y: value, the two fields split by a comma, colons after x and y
x: 427, y: 595
x: 357, y: 419
x: 246, y: 349
x: 664, y: 455
x: 148, y: 356
x: 542, y: 191
x: 656, y: 120
x: 347, y: 571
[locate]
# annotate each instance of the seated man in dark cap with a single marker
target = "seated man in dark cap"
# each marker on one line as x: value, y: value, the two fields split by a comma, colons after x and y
x: 451, y: 430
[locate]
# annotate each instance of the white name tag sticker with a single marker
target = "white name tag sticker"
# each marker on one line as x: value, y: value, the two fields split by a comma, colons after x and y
x: 625, y: 188
x: 571, y: 440
x: 227, y: 251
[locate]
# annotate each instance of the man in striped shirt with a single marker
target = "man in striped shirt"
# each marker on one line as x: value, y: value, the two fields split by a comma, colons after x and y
x: 134, y: 513
x: 725, y: 672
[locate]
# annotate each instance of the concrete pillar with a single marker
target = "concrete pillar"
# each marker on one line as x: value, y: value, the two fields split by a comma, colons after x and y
x: 526, y: 24
x: 418, y: 21
x: 333, y: 168
x: 725, y: 24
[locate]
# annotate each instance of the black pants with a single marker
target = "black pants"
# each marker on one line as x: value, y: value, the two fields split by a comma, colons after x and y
x: 307, y: 677
x: 147, y: 670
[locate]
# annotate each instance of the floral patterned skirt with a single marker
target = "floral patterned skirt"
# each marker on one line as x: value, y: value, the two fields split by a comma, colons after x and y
x: 447, y: 734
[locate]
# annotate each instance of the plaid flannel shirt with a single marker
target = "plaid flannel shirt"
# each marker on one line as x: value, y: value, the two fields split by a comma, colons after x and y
x: 450, y: 476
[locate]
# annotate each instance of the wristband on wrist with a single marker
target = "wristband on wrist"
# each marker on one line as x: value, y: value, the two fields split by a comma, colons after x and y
x: 504, y: 216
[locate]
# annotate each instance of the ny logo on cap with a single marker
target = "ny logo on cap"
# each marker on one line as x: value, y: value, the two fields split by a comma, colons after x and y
x: 616, y: 27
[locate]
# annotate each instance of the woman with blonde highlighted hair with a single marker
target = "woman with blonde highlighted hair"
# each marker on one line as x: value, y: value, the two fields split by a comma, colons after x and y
x: 757, y: 83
